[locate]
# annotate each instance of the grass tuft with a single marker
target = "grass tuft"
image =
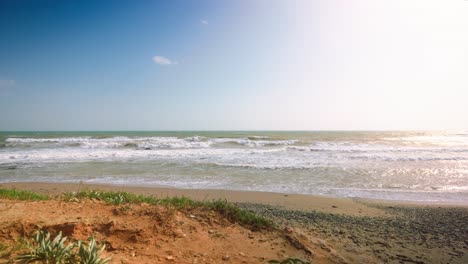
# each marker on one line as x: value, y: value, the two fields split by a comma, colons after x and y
x: 90, y: 254
x: 235, y: 214
x: 13, y: 194
x: 46, y: 250
x: 114, y: 198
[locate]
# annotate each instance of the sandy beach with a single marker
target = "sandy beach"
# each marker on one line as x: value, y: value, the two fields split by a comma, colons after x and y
x: 351, y: 230
x: 288, y: 132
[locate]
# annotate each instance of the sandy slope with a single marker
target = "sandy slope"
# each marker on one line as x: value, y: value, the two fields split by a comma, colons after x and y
x: 151, y: 234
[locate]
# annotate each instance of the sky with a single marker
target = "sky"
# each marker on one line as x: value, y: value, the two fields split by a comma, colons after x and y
x: 234, y: 65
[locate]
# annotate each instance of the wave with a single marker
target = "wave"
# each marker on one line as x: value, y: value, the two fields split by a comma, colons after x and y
x: 276, y: 158
x: 241, y: 152
x: 457, y: 139
x: 257, y: 137
x: 253, y: 143
x: 415, y: 158
x: 349, y: 147
x: 141, y: 142
x: 81, y: 155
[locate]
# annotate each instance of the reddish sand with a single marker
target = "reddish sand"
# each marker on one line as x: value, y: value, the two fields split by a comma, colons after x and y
x: 151, y: 234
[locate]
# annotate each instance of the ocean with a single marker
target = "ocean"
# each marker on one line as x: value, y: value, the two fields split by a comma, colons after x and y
x: 412, y: 166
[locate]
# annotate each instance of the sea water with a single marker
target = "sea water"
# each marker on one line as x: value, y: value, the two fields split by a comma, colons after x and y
x: 415, y: 166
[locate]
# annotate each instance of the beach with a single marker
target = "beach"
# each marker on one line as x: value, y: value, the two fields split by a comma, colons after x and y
x: 287, y: 132
x: 334, y: 197
x: 350, y: 230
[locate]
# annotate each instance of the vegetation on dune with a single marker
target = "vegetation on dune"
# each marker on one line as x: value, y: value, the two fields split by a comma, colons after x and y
x: 13, y: 194
x: 224, y: 208
x: 114, y: 198
x: 235, y: 214
x: 90, y: 254
x: 44, y: 250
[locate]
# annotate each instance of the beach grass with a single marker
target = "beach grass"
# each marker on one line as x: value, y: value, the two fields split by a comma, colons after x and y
x: 236, y: 214
x: 13, y: 194
x: 44, y: 249
x: 228, y: 210
x: 47, y: 250
x: 91, y: 253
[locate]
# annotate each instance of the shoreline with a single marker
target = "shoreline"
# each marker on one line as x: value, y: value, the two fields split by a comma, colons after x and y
x: 301, y: 202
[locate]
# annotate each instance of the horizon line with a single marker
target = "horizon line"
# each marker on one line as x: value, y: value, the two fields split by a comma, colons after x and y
x: 247, y: 130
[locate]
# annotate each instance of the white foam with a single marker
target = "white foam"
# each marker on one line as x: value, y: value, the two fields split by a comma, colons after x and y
x: 142, y: 142
x: 254, y: 143
x: 80, y: 154
x: 449, y: 140
x: 260, y: 154
x: 113, y: 142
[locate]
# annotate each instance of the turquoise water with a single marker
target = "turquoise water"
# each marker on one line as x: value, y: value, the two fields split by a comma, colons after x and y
x: 420, y: 166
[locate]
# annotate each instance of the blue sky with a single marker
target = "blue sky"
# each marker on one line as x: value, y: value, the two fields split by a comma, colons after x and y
x: 233, y: 65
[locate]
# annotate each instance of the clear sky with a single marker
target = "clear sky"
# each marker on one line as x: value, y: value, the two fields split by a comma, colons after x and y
x: 233, y: 65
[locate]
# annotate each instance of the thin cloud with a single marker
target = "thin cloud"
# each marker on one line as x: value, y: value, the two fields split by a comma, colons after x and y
x: 204, y: 22
x: 161, y: 60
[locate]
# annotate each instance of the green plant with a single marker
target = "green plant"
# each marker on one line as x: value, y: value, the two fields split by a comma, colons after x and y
x: 14, y: 194
x: 114, y: 198
x: 47, y: 250
x: 235, y: 214
x: 90, y: 254
x: 289, y: 261
x: 54, y: 251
